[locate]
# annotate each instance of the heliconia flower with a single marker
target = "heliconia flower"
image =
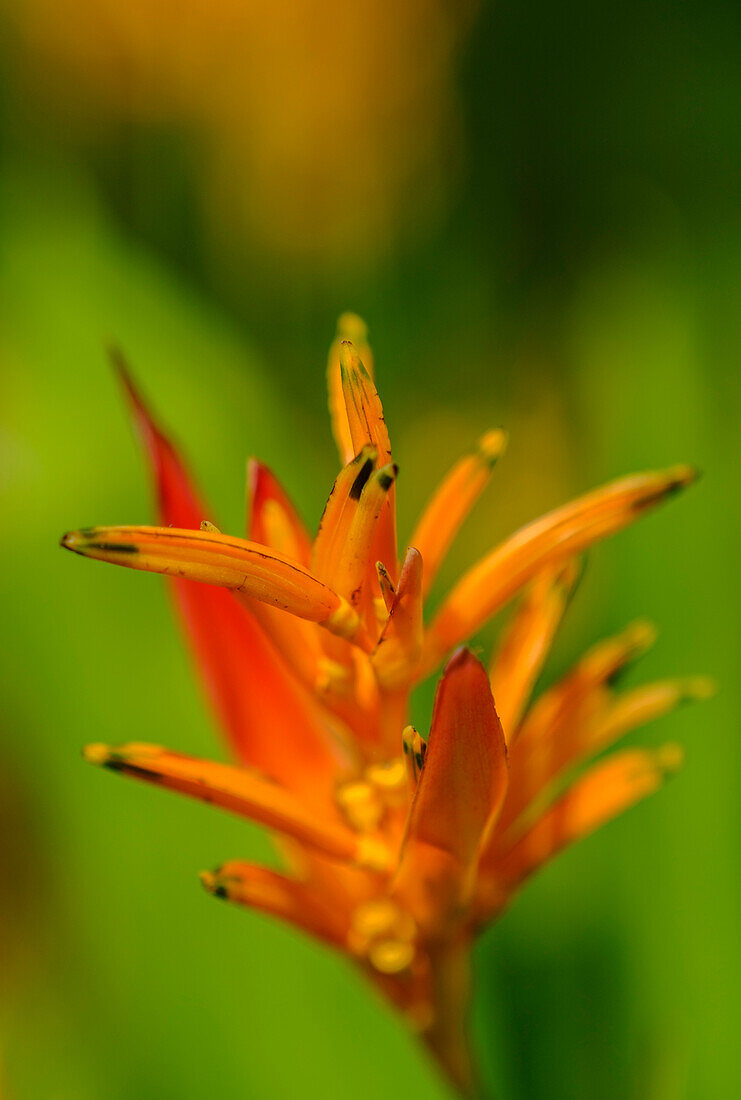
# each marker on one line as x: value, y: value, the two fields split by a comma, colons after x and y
x: 398, y: 848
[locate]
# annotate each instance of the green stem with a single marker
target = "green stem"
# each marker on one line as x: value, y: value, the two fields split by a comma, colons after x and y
x: 448, y: 1039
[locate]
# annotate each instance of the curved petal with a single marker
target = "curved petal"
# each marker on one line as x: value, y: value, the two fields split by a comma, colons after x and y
x: 604, y: 792
x: 368, y: 426
x: 270, y: 892
x: 452, y: 501
x: 459, y: 794
x: 241, y: 792
x: 561, y: 534
x: 522, y: 651
x: 260, y: 708
x: 271, y: 517
x: 349, y: 327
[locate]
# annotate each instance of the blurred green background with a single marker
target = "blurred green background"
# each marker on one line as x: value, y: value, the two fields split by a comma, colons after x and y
x: 536, y: 208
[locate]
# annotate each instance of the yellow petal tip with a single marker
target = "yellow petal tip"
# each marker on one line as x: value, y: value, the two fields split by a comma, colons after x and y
x: 700, y: 687
x: 682, y: 475
x: 97, y: 753
x: 213, y: 883
x: 493, y: 444
x: 352, y: 327
x: 670, y: 757
x: 641, y: 635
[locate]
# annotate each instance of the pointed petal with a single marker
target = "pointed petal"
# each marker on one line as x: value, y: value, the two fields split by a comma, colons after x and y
x: 178, y: 502
x: 286, y: 898
x: 246, y: 567
x: 636, y: 708
x: 557, y: 708
x: 339, y: 512
x: 388, y: 592
x: 363, y: 405
x: 459, y: 794
x: 349, y: 327
x: 452, y: 501
x: 561, y: 534
x: 367, y: 426
x: 396, y: 658
x: 241, y: 792
x: 254, y: 695
x: 522, y: 651
x: 397, y: 655
x: 272, y: 519
x: 554, y: 730
x: 604, y: 792
x: 297, y: 641
x: 354, y: 559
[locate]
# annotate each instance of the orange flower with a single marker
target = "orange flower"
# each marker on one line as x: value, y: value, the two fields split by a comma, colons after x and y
x: 398, y: 849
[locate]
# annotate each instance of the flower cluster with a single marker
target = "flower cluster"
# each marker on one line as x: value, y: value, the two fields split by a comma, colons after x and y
x: 398, y: 847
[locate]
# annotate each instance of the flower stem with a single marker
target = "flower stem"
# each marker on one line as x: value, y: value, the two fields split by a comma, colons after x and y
x: 447, y: 1039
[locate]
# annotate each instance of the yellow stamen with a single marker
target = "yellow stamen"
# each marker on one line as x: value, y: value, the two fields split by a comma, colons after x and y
x: 396, y: 658
x: 361, y: 806
x: 388, y: 591
x: 375, y: 918
x: 385, y: 933
x: 389, y: 776
x: 391, y: 956
x: 414, y: 749
x: 332, y: 678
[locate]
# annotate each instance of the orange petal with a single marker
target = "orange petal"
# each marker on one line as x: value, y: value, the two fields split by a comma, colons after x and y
x: 349, y: 327
x: 292, y: 901
x: 452, y: 501
x: 557, y: 707
x: 556, y: 728
x: 241, y: 792
x: 247, y: 567
x: 252, y: 692
x: 354, y: 558
x: 273, y: 521
x: 458, y: 797
x: 638, y: 707
x: 339, y: 512
x: 603, y: 793
x: 367, y: 426
x: 486, y: 587
x: 271, y: 517
x: 519, y: 658
x: 397, y: 655
x: 177, y: 499
x: 363, y: 405
x: 296, y: 640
